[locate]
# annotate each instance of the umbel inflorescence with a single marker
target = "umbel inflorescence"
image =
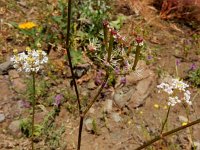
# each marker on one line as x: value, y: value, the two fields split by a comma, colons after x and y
x: 177, y: 91
x: 29, y: 62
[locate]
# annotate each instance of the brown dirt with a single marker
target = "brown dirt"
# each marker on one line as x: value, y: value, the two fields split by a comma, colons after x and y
x: 165, y: 43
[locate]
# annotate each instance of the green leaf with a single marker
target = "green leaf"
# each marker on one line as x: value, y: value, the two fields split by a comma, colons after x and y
x: 76, y: 57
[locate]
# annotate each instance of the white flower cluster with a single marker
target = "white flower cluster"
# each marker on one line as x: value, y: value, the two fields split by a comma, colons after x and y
x: 177, y: 91
x: 30, y: 62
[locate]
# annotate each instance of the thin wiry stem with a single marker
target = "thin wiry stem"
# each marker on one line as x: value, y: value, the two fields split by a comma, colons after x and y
x: 87, y: 109
x: 157, y: 138
x: 33, y: 113
x: 69, y: 55
x: 95, y: 98
x: 165, y: 121
x: 72, y: 72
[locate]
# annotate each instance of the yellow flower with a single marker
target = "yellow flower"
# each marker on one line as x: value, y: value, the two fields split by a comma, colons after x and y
x: 39, y: 45
x: 165, y: 107
x: 27, y: 25
x: 28, y: 49
x: 15, y: 51
x: 184, y: 123
x: 156, y: 106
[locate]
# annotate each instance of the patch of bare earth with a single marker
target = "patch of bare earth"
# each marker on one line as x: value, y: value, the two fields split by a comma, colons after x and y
x: 125, y: 117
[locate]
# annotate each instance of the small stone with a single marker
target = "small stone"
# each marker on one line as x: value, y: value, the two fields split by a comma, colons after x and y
x: 13, y: 74
x: 14, y: 128
x: 121, y: 98
x: 88, y: 124
x: 182, y: 119
x: 91, y: 85
x: 108, y: 105
x: 2, y: 117
x: 18, y: 85
x: 79, y: 71
x: 141, y: 73
x: 116, y: 117
x: 143, y: 90
x: 4, y: 67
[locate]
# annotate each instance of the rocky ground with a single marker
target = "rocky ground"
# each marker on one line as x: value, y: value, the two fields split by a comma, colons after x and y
x: 123, y: 117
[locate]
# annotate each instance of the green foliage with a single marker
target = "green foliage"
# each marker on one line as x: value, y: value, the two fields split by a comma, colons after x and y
x: 117, y: 24
x: 90, y: 14
x: 194, y: 77
x: 26, y: 128
x: 41, y: 89
x: 54, y: 137
x: 76, y: 57
x: 94, y: 127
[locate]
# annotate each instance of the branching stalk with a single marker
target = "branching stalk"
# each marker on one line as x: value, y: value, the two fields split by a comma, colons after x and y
x: 157, y: 138
x: 87, y: 109
x: 33, y: 107
x: 95, y: 98
x: 69, y: 55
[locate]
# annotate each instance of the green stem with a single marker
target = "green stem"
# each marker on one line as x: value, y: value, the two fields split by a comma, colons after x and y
x: 165, y: 121
x: 157, y: 138
x: 110, y: 47
x: 105, y: 32
x: 137, y: 56
x: 33, y: 113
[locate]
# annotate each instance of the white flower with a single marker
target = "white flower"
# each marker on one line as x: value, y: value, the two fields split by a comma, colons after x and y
x: 30, y: 62
x: 175, y: 89
x: 177, y: 84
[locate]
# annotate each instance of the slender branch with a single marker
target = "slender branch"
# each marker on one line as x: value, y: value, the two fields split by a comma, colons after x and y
x: 69, y: 55
x: 82, y: 116
x: 33, y: 113
x: 80, y: 132
x: 157, y: 138
x: 165, y: 121
x: 95, y: 98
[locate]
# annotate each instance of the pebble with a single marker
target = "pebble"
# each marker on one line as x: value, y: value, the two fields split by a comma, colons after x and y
x: 88, y: 124
x: 4, y: 67
x: 116, y: 117
x: 108, y: 105
x: 2, y: 117
x: 143, y: 90
x: 121, y: 98
x: 182, y: 119
x: 14, y: 128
